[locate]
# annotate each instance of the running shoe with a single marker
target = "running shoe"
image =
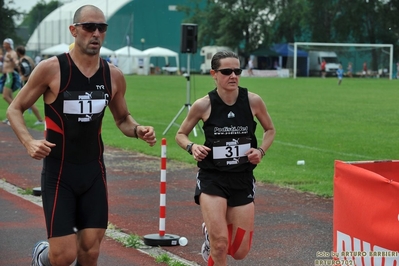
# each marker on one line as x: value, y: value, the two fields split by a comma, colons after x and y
x: 5, y: 121
x: 206, y: 248
x: 37, y: 123
x: 37, y: 250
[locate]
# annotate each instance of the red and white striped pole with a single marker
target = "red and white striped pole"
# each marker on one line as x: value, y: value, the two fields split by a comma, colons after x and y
x: 162, y: 239
x: 162, y: 200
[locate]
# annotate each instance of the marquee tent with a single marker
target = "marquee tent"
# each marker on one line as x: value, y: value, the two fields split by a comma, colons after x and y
x: 56, y: 49
x: 161, y: 52
x: 105, y: 51
x: 131, y: 60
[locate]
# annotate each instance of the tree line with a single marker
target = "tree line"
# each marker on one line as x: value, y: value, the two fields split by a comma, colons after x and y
x: 249, y: 24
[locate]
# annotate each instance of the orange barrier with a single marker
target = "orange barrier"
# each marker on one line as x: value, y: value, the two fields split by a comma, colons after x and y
x: 366, y: 213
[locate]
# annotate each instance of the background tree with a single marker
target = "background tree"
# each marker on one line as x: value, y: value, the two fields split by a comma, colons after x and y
x: 247, y: 24
x: 33, y: 18
x: 235, y: 23
x: 8, y: 27
x: 290, y: 23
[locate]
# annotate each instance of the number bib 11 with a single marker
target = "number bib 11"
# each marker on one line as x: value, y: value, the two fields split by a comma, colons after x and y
x: 231, y: 151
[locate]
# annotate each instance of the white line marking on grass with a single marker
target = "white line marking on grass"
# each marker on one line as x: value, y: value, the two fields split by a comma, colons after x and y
x: 321, y: 150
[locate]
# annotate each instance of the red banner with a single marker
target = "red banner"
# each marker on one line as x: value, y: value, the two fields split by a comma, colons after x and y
x: 366, y: 213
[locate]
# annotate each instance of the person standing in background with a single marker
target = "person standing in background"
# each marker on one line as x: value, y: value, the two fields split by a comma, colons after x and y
x: 114, y: 60
x: 250, y: 66
x: 10, y: 79
x: 25, y: 66
x: 323, y: 68
x: 364, y: 73
x: 340, y: 74
x: 349, y: 70
x: 38, y: 58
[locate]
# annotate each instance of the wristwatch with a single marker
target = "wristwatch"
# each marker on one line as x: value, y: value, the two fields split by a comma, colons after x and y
x: 189, y: 147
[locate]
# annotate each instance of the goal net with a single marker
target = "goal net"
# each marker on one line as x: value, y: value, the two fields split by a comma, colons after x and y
x: 356, y: 59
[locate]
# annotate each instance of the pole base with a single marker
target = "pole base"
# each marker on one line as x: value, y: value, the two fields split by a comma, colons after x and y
x: 37, y: 191
x: 157, y: 240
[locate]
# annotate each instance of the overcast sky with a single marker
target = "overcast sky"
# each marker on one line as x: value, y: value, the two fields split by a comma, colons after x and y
x: 22, y: 5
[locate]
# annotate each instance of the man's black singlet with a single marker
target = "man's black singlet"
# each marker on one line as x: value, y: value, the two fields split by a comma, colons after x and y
x: 73, y: 120
x: 74, y: 176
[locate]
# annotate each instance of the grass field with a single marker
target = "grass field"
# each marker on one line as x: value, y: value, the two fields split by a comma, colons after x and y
x: 316, y: 120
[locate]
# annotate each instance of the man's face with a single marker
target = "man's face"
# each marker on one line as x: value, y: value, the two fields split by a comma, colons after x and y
x: 6, y: 45
x: 89, y: 38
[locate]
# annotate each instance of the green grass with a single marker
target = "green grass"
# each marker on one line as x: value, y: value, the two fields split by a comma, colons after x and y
x: 316, y: 120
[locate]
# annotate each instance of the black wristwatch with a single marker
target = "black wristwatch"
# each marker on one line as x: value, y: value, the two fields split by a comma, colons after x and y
x: 189, y: 147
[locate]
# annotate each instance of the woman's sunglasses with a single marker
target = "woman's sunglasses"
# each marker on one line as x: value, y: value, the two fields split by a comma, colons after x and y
x: 92, y: 27
x: 228, y: 71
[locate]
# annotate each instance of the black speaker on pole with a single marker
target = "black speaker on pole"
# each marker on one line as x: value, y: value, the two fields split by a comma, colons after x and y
x: 188, y: 38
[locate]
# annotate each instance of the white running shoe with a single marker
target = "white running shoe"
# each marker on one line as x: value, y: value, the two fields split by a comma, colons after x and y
x: 37, y: 123
x: 37, y: 250
x: 206, y: 248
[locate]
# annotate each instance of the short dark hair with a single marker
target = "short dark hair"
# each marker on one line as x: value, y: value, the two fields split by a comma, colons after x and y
x: 215, y: 63
x: 20, y: 50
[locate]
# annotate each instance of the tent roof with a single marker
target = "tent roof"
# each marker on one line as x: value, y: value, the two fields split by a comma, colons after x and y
x: 159, y: 51
x: 56, y: 49
x: 129, y: 50
x: 106, y: 51
x: 284, y: 49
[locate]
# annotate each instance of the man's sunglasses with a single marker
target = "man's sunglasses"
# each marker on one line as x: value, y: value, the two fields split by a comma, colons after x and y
x: 92, y: 27
x: 228, y: 71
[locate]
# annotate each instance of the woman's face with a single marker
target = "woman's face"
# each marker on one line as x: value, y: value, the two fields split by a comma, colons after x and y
x: 227, y: 82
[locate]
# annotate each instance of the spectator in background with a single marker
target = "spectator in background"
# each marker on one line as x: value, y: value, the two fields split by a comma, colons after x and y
x: 364, y: 73
x: 1, y: 61
x: 250, y: 66
x: 350, y: 70
x: 276, y: 65
x: 323, y: 68
x: 38, y: 58
x: 397, y: 70
x: 340, y: 74
x: 114, y: 60
x: 25, y: 67
x: 10, y: 80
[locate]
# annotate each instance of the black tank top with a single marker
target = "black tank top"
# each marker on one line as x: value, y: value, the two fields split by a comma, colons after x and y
x: 229, y: 132
x: 74, y: 119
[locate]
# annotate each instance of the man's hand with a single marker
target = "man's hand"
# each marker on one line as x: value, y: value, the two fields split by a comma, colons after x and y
x: 39, y: 149
x: 147, y: 134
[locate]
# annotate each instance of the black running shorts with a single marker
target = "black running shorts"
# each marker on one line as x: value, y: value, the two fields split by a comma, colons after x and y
x: 237, y: 188
x: 74, y: 196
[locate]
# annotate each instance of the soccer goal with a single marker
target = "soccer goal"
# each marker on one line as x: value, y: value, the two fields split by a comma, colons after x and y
x: 356, y: 59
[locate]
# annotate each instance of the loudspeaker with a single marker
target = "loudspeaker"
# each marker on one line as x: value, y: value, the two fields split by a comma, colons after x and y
x: 188, y: 38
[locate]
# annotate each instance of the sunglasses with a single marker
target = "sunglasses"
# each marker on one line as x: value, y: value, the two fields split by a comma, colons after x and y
x: 92, y: 27
x: 228, y: 71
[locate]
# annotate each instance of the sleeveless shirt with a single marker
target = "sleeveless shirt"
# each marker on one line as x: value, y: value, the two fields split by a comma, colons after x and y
x: 74, y: 119
x: 229, y: 132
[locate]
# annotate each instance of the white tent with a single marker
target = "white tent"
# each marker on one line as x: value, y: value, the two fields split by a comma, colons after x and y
x: 130, y: 60
x: 105, y: 51
x: 162, y: 52
x: 56, y: 49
